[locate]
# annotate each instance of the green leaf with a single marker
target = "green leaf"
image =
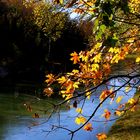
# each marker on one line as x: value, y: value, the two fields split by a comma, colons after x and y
x: 98, y: 35
x: 96, y: 24
x: 103, y: 28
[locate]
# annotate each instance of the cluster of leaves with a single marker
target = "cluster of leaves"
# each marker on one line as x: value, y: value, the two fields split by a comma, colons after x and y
x: 112, y: 44
x: 116, y: 36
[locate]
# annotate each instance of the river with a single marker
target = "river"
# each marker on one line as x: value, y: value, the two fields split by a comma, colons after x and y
x: 15, y: 122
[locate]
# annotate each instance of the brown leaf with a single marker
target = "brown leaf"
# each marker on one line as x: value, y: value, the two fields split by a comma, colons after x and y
x: 36, y: 115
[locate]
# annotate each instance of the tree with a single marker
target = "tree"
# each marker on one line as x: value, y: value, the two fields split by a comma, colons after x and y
x: 31, y: 33
x: 72, y: 39
x: 116, y: 37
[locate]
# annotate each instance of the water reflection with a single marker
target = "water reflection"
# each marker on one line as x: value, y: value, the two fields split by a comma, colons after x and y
x: 16, y: 127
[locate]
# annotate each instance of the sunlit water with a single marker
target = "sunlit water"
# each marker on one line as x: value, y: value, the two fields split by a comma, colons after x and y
x: 17, y: 127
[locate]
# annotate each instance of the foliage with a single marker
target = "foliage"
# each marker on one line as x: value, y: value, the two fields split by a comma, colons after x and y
x: 128, y: 125
x: 115, y: 36
x: 31, y: 34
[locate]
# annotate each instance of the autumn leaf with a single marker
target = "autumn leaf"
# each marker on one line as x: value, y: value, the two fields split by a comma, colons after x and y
x: 78, y: 10
x: 97, y: 58
x: 28, y: 107
x: 68, y: 97
x: 138, y: 60
x: 118, y: 113
x: 76, y: 84
x: 133, y: 108
x: 94, y: 67
x: 107, y: 69
x: 79, y: 110
x: 114, y: 50
x: 75, y: 58
x: 35, y: 115
x: 88, y: 127
x: 119, y: 99
x: 104, y: 94
x: 75, y: 71
x: 62, y: 80
x: 88, y: 95
x: 127, y: 88
x: 48, y: 91
x: 101, y: 136
x: 50, y: 78
x: 131, y: 101
x: 106, y: 114
x: 70, y: 3
x: 80, y: 120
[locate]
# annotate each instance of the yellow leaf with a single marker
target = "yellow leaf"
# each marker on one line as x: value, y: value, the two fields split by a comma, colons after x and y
x: 127, y: 88
x: 80, y: 120
x: 97, y: 58
x: 133, y: 108
x: 75, y: 71
x: 50, y: 78
x: 137, y: 59
x: 88, y: 95
x: 79, y: 110
x: 119, y: 99
x: 114, y: 50
x: 98, y: 45
x: 75, y: 85
x: 68, y: 96
x: 62, y: 80
x: 94, y: 67
x: 131, y: 101
x: 118, y: 112
x: 130, y: 40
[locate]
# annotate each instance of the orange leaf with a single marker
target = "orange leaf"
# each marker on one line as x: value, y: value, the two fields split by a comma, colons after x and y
x: 88, y: 127
x: 48, y: 91
x: 104, y: 94
x: 107, y: 114
x: 101, y: 136
x: 75, y: 57
x: 50, y: 78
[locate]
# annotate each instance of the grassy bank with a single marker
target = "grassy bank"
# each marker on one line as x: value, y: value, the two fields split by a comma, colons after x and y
x: 11, y: 104
x: 128, y: 127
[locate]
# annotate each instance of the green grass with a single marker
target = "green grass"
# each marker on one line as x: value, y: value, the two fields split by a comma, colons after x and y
x: 14, y: 105
x: 127, y: 127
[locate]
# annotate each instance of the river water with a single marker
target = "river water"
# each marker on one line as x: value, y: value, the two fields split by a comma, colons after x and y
x: 15, y: 125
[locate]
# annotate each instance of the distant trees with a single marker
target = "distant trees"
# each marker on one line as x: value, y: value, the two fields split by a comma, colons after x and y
x: 35, y: 38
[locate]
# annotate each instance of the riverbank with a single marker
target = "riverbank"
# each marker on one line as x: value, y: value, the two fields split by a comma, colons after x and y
x: 127, y: 127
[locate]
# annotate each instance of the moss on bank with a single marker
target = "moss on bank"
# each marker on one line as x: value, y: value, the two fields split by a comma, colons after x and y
x: 127, y: 127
